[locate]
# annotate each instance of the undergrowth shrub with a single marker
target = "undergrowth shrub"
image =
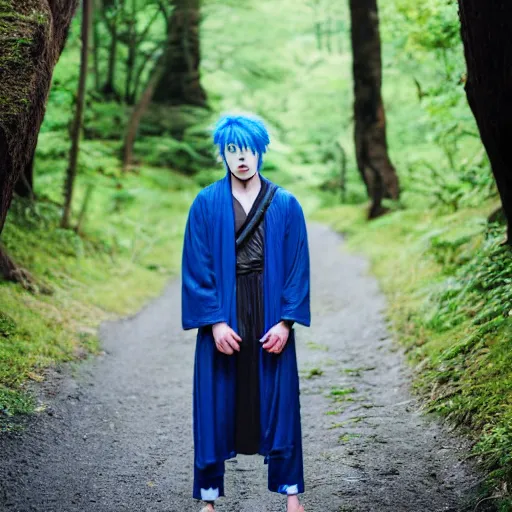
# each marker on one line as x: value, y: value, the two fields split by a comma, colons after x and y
x: 469, y: 380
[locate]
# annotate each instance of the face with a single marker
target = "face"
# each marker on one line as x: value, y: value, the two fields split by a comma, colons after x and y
x: 243, y: 163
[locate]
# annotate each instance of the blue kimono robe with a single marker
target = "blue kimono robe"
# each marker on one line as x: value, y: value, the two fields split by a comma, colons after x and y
x: 209, y: 296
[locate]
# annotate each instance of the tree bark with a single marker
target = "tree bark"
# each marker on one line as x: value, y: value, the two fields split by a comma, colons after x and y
x: 25, y: 76
x: 87, y: 12
x: 116, y: 6
x: 96, y: 47
x: 138, y: 112
x: 109, y: 86
x: 131, y: 43
x: 180, y: 83
x: 485, y: 29
x: 25, y: 185
x: 134, y: 42
x: 373, y: 162
x: 148, y: 59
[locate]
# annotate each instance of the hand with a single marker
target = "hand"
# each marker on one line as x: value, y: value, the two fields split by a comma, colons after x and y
x: 226, y: 339
x: 276, y: 338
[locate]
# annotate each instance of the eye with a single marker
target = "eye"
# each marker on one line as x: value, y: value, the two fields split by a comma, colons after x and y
x: 231, y: 148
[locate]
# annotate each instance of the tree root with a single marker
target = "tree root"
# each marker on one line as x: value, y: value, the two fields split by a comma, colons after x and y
x: 12, y: 272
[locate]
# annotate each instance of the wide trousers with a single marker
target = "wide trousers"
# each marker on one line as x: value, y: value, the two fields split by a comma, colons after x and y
x: 285, y: 474
x: 209, y: 482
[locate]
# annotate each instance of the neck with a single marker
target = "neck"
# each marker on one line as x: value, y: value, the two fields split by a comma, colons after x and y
x: 246, y: 187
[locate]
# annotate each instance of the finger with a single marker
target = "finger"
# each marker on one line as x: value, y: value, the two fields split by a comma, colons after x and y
x: 236, y: 336
x: 272, y: 340
x: 225, y: 348
x: 277, y: 347
x: 282, y: 346
x: 264, y: 337
x: 232, y: 342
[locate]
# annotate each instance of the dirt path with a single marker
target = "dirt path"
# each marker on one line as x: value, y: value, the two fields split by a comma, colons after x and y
x: 118, y: 434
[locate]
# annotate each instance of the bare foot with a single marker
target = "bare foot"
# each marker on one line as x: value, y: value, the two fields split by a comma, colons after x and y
x: 294, y: 505
x: 208, y: 508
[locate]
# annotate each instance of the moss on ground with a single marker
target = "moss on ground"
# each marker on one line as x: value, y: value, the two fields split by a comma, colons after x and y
x: 126, y: 255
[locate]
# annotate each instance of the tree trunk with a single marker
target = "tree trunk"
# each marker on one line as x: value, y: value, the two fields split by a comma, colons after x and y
x: 485, y: 30
x: 114, y: 6
x: 87, y: 11
x: 109, y: 86
x: 138, y: 75
x: 134, y: 41
x: 25, y: 185
x: 138, y: 112
x: 96, y: 48
x: 130, y: 68
x: 131, y: 44
x: 180, y: 83
x: 373, y: 161
x: 25, y: 77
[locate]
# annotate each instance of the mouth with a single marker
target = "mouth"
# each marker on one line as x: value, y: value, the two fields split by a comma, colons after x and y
x: 243, y: 168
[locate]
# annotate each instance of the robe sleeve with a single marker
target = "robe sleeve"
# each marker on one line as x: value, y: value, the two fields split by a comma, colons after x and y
x: 200, y: 304
x: 295, y: 301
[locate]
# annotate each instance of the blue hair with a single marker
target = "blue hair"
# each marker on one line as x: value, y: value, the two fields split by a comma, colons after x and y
x: 246, y: 132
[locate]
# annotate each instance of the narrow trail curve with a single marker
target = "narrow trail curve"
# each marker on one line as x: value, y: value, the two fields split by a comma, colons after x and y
x: 119, y: 433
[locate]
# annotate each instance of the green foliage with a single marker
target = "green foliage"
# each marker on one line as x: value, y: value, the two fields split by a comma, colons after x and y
x: 314, y: 372
x: 53, y: 145
x: 429, y: 25
x: 459, y: 183
x: 125, y: 253
x: 422, y: 41
x: 7, y: 325
x: 341, y: 393
x: 477, y: 286
x: 168, y: 152
x: 106, y: 120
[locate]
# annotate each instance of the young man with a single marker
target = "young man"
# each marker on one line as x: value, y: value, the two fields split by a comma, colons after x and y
x: 245, y: 282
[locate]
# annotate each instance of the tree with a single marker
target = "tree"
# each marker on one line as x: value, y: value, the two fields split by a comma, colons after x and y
x: 25, y: 185
x: 133, y: 40
x: 33, y: 37
x: 373, y: 161
x: 138, y: 111
x: 485, y: 29
x: 180, y: 82
x: 77, y: 122
x: 112, y: 12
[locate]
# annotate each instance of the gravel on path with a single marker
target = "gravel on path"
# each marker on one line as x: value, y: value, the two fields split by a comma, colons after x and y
x: 117, y: 431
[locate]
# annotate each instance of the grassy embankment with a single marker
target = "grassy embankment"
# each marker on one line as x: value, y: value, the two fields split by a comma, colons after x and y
x: 131, y: 246
x: 449, y: 284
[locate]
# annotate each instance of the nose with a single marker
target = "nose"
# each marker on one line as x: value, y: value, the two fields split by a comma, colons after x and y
x: 242, y: 158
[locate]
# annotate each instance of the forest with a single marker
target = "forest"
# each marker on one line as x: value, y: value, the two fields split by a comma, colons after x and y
x: 389, y: 125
